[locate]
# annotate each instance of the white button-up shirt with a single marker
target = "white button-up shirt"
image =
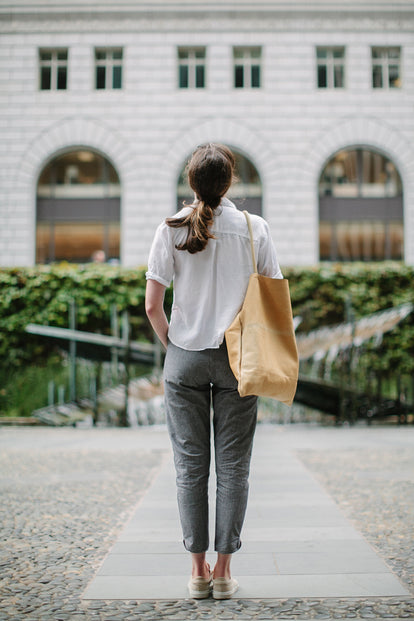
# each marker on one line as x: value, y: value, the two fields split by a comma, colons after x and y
x: 210, y: 285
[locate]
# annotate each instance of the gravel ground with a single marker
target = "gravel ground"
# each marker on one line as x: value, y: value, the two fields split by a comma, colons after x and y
x: 63, y: 506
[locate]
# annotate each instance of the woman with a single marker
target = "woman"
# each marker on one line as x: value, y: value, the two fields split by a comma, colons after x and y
x: 205, y: 250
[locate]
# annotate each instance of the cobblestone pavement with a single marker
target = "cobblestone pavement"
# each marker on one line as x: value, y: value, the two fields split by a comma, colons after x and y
x: 65, y: 494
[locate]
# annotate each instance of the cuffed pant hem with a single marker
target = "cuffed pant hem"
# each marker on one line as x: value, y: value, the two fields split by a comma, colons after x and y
x: 194, y: 550
x: 229, y: 549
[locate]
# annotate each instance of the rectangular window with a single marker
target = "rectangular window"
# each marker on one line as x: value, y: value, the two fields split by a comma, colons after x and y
x: 191, y: 67
x: 330, y: 67
x: 386, y: 67
x: 247, y: 67
x: 53, y: 70
x: 108, y: 68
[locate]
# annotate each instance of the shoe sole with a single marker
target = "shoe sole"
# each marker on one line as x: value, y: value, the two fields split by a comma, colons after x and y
x: 200, y: 594
x: 225, y: 594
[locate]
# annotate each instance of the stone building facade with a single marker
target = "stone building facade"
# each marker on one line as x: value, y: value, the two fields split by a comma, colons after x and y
x: 101, y: 104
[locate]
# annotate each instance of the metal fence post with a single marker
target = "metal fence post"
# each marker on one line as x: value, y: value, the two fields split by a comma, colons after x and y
x: 126, y: 338
x: 72, y: 351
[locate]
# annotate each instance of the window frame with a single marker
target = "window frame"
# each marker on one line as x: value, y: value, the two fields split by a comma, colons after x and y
x: 384, y: 62
x: 248, y: 62
x: 109, y: 64
x: 192, y: 62
x: 54, y: 64
x: 331, y: 63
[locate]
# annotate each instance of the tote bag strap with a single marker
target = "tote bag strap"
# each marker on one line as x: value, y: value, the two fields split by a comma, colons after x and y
x: 249, y: 224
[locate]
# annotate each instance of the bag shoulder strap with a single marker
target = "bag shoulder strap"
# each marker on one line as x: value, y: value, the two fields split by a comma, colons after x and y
x: 249, y: 225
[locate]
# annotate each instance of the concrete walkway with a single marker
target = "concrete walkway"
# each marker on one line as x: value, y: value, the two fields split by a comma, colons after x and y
x: 296, y: 541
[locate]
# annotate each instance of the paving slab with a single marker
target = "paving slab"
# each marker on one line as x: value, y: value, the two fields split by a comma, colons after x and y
x: 296, y: 541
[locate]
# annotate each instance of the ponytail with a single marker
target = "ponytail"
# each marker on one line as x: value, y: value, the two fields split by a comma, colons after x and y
x: 198, y: 222
x: 210, y: 174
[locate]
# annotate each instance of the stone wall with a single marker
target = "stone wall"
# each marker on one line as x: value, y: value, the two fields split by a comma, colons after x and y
x: 288, y: 128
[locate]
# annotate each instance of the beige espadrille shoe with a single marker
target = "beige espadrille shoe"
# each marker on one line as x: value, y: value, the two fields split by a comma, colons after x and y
x: 224, y: 588
x: 200, y: 588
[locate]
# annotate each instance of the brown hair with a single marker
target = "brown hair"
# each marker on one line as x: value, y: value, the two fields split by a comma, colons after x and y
x: 210, y: 174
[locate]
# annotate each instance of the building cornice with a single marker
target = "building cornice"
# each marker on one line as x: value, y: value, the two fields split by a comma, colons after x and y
x: 20, y: 7
x: 204, y: 19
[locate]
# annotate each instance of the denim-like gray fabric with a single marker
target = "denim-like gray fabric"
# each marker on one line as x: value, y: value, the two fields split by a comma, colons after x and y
x: 194, y: 381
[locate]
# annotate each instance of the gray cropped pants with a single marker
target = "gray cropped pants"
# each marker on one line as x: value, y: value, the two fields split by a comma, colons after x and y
x: 195, y: 380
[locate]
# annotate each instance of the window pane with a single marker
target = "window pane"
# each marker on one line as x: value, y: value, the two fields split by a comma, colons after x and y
x: 339, y: 177
x: 394, y: 54
x: 182, y: 54
x: 100, y: 77
x: 62, y: 55
x: 379, y: 176
x: 238, y: 76
x: 183, y: 76
x: 79, y: 174
x: 376, y: 53
x: 322, y: 77
x: 347, y: 242
x: 338, y: 77
x: 200, y: 53
x: 321, y: 53
x: 111, y: 174
x: 255, y: 52
x: 367, y: 241
x: 43, y: 239
x: 377, y: 76
x: 338, y: 53
x: 45, y: 55
x: 325, y: 241
x: 79, y: 167
x: 246, y: 172
x: 255, y: 76
x: 45, y: 78
x: 78, y: 241
x: 114, y: 238
x: 100, y: 54
x: 61, y: 78
x: 200, y: 76
x: 238, y: 52
x: 394, y: 76
x: 396, y: 240
x: 117, y: 55
x: 117, y: 77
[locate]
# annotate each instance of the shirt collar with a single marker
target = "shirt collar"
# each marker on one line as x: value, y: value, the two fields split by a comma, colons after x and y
x: 225, y: 202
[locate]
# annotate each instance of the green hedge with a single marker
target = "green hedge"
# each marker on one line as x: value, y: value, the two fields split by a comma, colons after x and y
x: 319, y: 295
x: 42, y: 295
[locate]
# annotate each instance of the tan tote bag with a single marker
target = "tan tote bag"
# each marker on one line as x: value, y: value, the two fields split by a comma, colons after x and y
x: 261, y: 340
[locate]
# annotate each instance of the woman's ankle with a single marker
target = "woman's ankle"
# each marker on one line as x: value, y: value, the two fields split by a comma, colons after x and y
x: 222, y: 567
x: 201, y: 570
x: 222, y: 574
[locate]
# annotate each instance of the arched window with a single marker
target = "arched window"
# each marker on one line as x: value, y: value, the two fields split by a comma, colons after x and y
x: 360, y: 208
x: 78, y: 209
x: 247, y: 192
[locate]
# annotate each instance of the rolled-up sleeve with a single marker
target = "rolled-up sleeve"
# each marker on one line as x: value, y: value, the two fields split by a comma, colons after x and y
x: 267, y: 263
x: 161, y: 259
